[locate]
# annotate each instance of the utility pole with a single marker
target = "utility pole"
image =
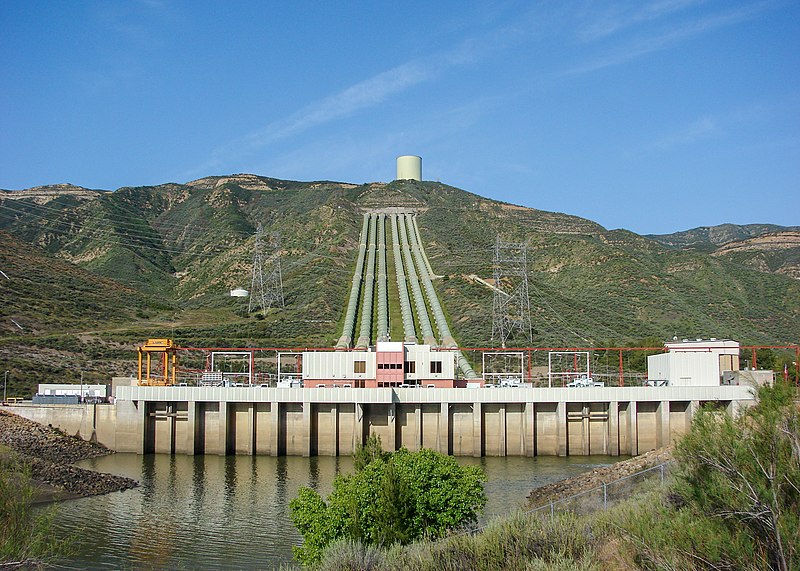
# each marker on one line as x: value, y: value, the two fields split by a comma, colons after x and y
x: 5, y: 382
x: 511, y: 306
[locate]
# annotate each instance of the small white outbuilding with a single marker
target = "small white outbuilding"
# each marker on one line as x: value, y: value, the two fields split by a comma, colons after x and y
x: 699, y: 362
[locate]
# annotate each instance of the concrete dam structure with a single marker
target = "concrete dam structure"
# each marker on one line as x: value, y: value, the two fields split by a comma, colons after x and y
x: 463, y: 422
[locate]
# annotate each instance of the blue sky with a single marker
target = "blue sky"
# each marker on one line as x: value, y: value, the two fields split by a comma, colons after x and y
x: 652, y: 116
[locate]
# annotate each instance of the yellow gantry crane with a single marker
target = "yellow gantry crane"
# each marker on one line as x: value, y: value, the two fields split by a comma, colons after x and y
x: 166, y: 352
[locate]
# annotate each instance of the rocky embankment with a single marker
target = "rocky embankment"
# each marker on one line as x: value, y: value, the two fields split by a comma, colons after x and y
x: 49, y: 454
x: 597, y: 477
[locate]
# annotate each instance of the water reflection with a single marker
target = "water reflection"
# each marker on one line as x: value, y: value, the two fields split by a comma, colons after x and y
x: 214, y: 511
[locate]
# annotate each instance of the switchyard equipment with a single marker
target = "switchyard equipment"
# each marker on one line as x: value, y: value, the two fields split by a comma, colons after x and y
x: 503, y: 367
x: 242, y: 358
x: 568, y: 366
x: 290, y: 378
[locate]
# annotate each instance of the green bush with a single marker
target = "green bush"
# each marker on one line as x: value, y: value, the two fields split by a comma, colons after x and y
x: 393, y: 499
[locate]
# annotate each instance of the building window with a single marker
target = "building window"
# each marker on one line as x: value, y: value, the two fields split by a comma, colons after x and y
x: 359, y: 366
x: 436, y: 366
x: 411, y: 367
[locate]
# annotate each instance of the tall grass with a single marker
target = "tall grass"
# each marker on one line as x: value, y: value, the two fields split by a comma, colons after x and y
x: 519, y: 542
x: 25, y: 533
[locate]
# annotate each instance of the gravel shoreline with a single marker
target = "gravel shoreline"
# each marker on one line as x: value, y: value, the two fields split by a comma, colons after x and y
x: 49, y: 454
x: 597, y: 477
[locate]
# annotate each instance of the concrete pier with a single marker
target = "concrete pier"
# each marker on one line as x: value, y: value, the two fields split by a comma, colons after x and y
x: 334, y: 421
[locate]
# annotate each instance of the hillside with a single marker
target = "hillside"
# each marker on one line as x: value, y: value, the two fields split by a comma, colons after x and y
x: 173, y: 251
x: 714, y: 236
x: 763, y: 247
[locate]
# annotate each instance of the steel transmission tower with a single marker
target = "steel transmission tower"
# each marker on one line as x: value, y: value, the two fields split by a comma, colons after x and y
x: 511, y: 310
x: 266, y: 289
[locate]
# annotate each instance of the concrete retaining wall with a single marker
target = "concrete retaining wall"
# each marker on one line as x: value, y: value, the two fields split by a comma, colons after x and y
x: 329, y: 422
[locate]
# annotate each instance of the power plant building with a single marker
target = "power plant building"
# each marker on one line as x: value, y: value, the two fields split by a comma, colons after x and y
x: 390, y: 364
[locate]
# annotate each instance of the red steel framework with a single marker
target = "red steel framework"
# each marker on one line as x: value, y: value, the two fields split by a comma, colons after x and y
x: 529, y: 351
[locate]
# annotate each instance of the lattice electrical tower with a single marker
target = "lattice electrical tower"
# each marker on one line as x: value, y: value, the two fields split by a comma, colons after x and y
x: 266, y: 289
x: 511, y: 310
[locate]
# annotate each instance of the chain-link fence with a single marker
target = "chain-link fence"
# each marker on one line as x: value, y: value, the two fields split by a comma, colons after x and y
x: 607, y: 494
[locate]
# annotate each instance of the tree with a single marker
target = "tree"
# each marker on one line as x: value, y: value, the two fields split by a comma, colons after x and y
x: 395, y: 508
x: 395, y: 498
x: 745, y: 472
x: 371, y: 450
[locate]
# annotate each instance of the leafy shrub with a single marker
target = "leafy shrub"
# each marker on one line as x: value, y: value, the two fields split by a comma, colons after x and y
x: 394, y: 498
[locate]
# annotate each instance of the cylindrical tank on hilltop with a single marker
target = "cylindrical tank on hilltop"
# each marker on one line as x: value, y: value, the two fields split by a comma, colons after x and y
x: 409, y: 167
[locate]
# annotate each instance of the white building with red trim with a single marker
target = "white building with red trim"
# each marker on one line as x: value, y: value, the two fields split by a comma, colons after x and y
x: 388, y: 364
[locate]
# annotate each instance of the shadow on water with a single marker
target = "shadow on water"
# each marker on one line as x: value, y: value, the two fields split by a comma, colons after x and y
x: 193, y: 512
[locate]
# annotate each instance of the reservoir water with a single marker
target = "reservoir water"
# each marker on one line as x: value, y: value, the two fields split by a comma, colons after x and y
x: 232, y: 512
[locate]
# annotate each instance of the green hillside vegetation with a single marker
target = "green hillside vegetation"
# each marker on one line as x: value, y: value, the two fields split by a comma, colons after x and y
x: 160, y: 260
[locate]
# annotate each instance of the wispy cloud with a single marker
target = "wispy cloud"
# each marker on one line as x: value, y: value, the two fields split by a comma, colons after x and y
x: 616, y: 18
x: 368, y: 93
x: 644, y: 45
x: 361, y: 95
x: 718, y: 125
x: 363, y: 157
x: 702, y: 128
x: 355, y: 98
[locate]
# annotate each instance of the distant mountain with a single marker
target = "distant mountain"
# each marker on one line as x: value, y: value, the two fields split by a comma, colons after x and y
x: 764, y: 247
x: 44, y: 194
x: 713, y: 236
x: 179, y: 248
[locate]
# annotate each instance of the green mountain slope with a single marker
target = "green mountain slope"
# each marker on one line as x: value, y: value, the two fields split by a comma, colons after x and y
x: 188, y: 244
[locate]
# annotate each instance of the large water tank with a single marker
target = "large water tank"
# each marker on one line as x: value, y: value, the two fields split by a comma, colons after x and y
x: 409, y: 167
